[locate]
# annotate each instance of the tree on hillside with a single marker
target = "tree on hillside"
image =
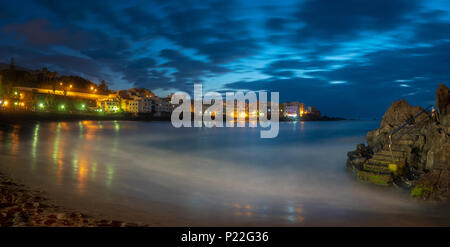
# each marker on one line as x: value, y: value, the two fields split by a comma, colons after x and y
x: 103, y: 87
x: 12, y: 66
x: 53, y: 79
x: 78, y: 83
x: 1, y: 85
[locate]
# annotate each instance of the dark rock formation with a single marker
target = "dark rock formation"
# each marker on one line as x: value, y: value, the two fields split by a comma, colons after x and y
x: 398, y: 113
x: 443, y: 104
x: 415, y: 157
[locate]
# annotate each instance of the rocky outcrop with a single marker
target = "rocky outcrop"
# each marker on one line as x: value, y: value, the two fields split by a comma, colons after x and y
x: 416, y: 156
x: 443, y: 104
x: 397, y: 114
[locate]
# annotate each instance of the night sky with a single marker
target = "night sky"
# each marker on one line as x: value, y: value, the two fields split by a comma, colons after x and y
x: 349, y: 58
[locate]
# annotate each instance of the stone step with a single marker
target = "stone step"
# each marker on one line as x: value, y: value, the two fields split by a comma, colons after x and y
x: 387, y: 157
x: 384, y: 179
x: 405, y: 142
x: 399, y: 147
x: 378, y: 168
x: 395, y: 168
x: 395, y: 153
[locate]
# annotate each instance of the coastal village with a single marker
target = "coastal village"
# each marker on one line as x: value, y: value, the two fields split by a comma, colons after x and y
x: 43, y: 91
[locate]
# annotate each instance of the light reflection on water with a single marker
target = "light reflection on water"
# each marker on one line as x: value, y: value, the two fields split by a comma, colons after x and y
x: 219, y: 176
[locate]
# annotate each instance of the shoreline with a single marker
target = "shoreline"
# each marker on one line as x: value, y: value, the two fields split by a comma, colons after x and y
x: 18, y: 117
x: 21, y: 206
x: 7, y: 117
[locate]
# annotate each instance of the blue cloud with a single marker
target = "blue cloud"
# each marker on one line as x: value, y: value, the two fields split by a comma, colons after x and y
x: 349, y: 57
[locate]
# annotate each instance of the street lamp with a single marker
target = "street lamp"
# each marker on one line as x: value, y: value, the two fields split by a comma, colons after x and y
x: 70, y: 86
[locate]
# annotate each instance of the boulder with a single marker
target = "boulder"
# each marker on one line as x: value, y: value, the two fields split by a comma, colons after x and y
x: 443, y: 104
x: 398, y: 113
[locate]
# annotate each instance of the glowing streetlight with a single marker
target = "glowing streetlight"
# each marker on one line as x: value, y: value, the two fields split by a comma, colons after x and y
x: 92, y: 88
x: 60, y: 83
x: 41, y: 105
x: 70, y: 86
x: 15, y: 93
x: 62, y: 107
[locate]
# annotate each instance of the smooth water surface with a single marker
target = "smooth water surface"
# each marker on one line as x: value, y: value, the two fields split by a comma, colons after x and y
x: 153, y: 173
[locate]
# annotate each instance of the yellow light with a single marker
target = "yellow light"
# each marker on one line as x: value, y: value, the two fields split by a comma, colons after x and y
x: 41, y: 105
x: 15, y: 93
x: 92, y: 88
x: 242, y: 114
x: 5, y: 103
x: 70, y: 86
x: 60, y: 83
x: 15, y: 103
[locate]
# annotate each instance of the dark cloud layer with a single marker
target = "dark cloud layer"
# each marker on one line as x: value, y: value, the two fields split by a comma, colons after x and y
x: 349, y: 57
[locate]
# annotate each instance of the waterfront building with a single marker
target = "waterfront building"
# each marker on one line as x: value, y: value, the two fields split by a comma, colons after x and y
x: 293, y: 109
x: 161, y: 107
x: 312, y: 110
x: 146, y: 105
x: 134, y: 105
x: 109, y: 105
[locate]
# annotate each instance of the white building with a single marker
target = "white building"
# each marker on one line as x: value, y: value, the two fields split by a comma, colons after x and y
x: 109, y: 105
x: 161, y: 107
x: 293, y: 109
x: 133, y: 106
x: 146, y: 105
